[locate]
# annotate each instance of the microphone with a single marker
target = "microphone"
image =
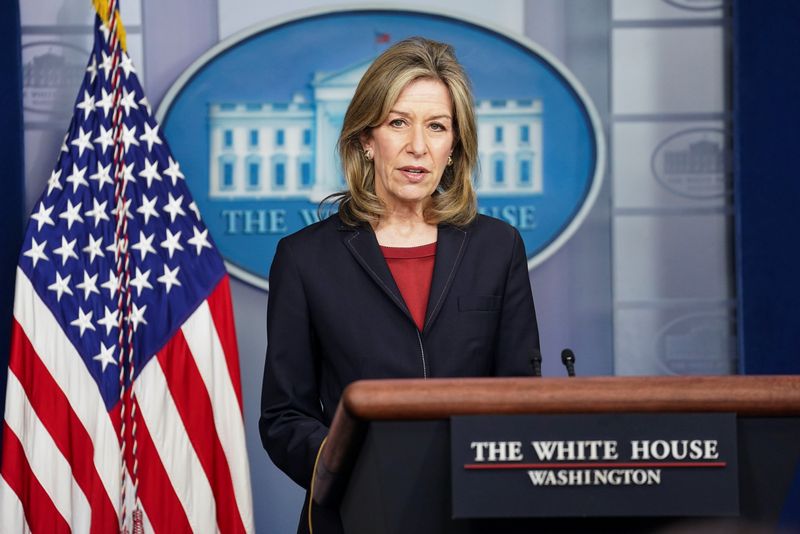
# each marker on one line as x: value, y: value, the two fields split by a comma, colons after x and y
x: 568, y: 359
x: 536, y: 362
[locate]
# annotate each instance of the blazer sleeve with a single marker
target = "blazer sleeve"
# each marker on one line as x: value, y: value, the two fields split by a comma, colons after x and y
x: 518, y: 333
x: 290, y: 425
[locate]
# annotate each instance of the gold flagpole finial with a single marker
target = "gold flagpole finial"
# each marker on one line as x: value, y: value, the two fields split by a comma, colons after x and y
x: 102, y: 8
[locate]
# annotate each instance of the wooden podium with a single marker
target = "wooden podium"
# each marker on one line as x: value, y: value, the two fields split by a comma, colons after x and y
x: 386, y: 463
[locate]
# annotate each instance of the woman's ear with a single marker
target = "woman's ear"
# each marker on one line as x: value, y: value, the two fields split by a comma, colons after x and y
x: 366, y: 140
x: 366, y: 145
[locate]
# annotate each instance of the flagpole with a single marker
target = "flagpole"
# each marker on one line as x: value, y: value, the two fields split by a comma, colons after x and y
x: 122, y: 255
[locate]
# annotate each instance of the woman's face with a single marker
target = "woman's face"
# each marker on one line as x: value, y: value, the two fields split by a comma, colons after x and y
x: 411, y: 146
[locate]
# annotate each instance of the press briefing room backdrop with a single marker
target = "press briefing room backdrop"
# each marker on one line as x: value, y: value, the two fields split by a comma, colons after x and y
x: 654, y: 184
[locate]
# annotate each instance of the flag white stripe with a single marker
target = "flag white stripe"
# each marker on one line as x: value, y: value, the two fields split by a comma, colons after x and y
x: 174, y: 448
x: 69, y: 371
x: 12, y: 515
x: 130, y: 507
x: 52, y: 470
x: 204, y: 343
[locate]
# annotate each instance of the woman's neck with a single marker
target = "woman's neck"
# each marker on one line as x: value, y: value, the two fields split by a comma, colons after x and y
x: 404, y: 229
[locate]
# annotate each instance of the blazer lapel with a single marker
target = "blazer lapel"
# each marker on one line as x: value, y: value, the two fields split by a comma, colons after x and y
x: 450, y: 245
x: 364, y: 246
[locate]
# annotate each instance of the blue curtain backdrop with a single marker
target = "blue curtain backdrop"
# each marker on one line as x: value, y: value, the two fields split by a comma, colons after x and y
x: 766, y: 78
x: 766, y: 75
x: 11, y: 154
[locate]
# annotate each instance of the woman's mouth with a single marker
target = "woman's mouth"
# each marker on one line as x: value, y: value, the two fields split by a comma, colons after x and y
x: 414, y: 173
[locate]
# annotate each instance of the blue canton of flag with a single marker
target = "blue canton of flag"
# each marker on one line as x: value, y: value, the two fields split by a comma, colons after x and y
x: 183, y: 451
x: 70, y: 250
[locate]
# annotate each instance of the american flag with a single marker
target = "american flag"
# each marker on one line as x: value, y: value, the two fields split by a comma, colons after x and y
x: 123, y: 343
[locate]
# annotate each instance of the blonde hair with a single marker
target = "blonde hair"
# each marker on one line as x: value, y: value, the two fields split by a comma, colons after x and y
x: 454, y: 201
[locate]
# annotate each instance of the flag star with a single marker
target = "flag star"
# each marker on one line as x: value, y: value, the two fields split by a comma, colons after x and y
x: 173, y: 207
x: 104, y: 29
x: 109, y: 320
x: 64, y: 143
x: 150, y: 171
x: 172, y: 242
x: 92, y: 70
x: 89, y: 285
x: 144, y: 245
x: 148, y: 208
x: 117, y: 249
x: 104, y: 139
x: 126, y: 64
x: 137, y: 316
x: 127, y: 173
x: 87, y: 105
x: 199, y: 240
x: 106, y: 355
x: 42, y: 216
x: 54, y: 182
x: 98, y: 212
x: 170, y: 277
x: 174, y: 171
x: 105, y: 103
x: 126, y: 209
x: 140, y: 281
x: 84, y: 321
x: 66, y: 250
x: 82, y: 141
x: 106, y: 63
x: 71, y: 214
x: 103, y: 175
x: 76, y: 178
x: 60, y: 286
x: 111, y: 284
x: 146, y: 105
x: 127, y: 101
x: 129, y: 137
x: 127, y: 179
x: 94, y: 248
x: 193, y: 207
x: 150, y: 135
x: 36, y: 252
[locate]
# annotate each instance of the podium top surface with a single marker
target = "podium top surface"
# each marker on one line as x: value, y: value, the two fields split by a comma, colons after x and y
x: 441, y: 398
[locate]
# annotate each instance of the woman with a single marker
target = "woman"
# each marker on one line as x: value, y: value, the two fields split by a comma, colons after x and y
x: 407, y: 280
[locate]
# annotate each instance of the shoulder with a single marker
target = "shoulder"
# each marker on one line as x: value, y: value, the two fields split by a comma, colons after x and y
x: 493, y: 240
x: 318, y: 232
x: 317, y: 239
x: 305, y: 247
x: 484, y: 227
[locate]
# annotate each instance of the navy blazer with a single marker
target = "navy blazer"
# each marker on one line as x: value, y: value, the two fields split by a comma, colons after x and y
x: 336, y: 315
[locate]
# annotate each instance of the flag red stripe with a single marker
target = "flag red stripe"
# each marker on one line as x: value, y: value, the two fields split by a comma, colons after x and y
x: 219, y: 303
x: 194, y: 406
x: 158, y: 497
x: 40, y: 512
x: 114, y: 416
x: 63, y: 425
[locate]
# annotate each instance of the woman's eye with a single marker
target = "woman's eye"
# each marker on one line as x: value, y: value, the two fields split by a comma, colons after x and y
x: 438, y: 127
x: 396, y: 122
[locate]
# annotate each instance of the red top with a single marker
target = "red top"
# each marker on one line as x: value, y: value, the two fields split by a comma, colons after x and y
x: 412, y: 269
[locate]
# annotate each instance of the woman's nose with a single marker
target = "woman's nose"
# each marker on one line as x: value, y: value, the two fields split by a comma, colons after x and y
x: 417, y: 144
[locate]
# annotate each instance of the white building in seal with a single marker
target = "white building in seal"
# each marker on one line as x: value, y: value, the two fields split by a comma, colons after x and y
x: 288, y: 150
